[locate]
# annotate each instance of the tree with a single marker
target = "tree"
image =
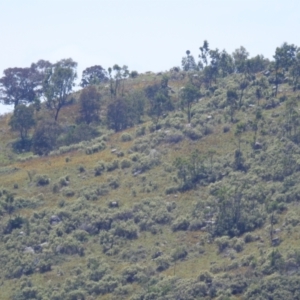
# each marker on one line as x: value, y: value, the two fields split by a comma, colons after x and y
x: 22, y: 120
x: 45, y: 137
x: 18, y: 85
x: 117, y: 76
x: 240, y: 57
x: 204, y: 55
x: 89, y: 105
x: 295, y: 71
x: 58, y: 84
x: 93, y: 75
x: 285, y: 57
x: 232, y: 98
x: 159, y: 99
x: 188, y: 63
x: 189, y: 94
x: 117, y: 114
x: 136, y: 100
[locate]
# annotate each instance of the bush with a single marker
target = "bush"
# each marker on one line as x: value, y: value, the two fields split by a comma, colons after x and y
x: 111, y: 166
x: 67, y: 192
x: 179, y: 253
x: 140, y: 131
x: 125, y: 163
x: 126, y: 137
x: 42, y: 180
x: 222, y: 243
x: 45, y: 137
x: 113, y: 182
x: 126, y: 230
x: 180, y: 223
x: 99, y: 168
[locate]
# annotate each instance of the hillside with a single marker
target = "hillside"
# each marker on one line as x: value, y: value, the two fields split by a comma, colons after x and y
x: 162, y: 208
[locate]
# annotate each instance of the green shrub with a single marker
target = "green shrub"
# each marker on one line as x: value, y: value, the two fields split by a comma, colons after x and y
x: 68, y: 192
x: 222, y: 243
x: 140, y: 131
x: 125, y: 163
x: 113, y: 182
x: 126, y: 230
x: 42, y: 180
x: 111, y: 166
x: 126, y: 137
x: 99, y: 168
x: 179, y: 253
x: 181, y: 223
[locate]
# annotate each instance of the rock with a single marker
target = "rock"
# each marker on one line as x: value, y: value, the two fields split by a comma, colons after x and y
x: 28, y: 250
x: 44, y: 245
x: 113, y: 204
x: 208, y: 117
x: 54, y: 220
x: 257, y: 145
x: 275, y: 241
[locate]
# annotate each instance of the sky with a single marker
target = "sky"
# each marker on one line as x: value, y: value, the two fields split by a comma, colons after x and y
x: 145, y: 35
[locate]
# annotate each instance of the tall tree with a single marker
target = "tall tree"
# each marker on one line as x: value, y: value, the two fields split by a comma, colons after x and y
x: 18, y: 85
x: 93, y: 75
x: 188, y: 63
x: 58, y: 84
x: 159, y: 99
x: 204, y: 55
x: 89, y: 105
x: 22, y: 120
x: 285, y: 57
x: 117, y: 76
x: 189, y: 94
x: 232, y: 98
x: 295, y: 71
x: 240, y: 57
x: 117, y: 114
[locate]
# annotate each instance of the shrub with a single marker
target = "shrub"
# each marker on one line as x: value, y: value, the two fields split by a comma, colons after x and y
x: 179, y: 253
x: 111, y: 166
x: 125, y: 163
x: 222, y: 243
x: 42, y: 180
x: 67, y: 192
x: 126, y: 137
x: 127, y: 230
x: 81, y: 169
x: 140, y: 131
x: 162, y: 263
x: 99, y: 168
x: 113, y: 182
x: 180, y: 223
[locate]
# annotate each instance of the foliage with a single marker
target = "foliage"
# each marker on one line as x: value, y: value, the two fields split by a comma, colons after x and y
x: 93, y: 75
x: 58, y: 84
x: 22, y: 120
x: 89, y: 105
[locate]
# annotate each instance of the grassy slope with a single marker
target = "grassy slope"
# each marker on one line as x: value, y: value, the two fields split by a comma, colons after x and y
x: 16, y: 172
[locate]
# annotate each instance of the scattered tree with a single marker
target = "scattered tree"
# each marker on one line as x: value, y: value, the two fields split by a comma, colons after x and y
x: 93, y: 75
x: 89, y: 105
x: 22, y: 120
x: 58, y: 84
x: 189, y: 94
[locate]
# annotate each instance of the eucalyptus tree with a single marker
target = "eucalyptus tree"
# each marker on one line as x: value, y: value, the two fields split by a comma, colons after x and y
x: 188, y: 62
x: 58, y: 84
x: 285, y: 57
x: 189, y: 95
x: 18, y: 86
x: 93, y: 75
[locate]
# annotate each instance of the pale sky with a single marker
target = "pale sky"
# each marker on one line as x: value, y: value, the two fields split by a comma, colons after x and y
x: 145, y: 35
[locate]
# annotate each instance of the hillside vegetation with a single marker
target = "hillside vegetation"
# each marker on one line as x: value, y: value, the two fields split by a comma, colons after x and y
x: 176, y: 185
